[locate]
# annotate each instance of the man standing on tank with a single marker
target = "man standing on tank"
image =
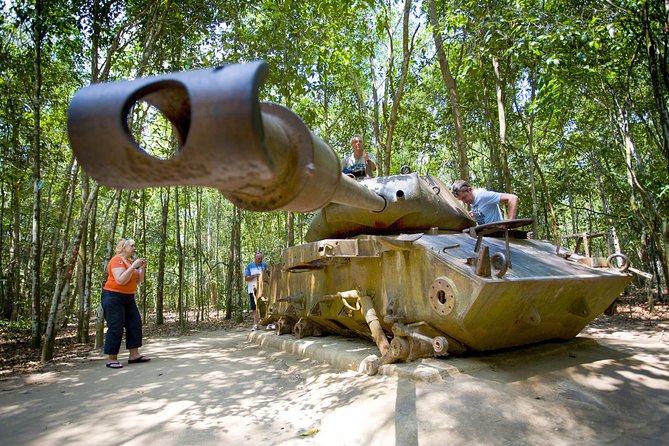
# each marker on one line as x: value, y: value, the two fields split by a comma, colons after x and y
x: 251, y: 274
x: 485, y: 203
x: 361, y: 163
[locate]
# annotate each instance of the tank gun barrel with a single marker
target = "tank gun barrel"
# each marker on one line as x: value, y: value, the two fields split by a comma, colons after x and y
x: 260, y: 155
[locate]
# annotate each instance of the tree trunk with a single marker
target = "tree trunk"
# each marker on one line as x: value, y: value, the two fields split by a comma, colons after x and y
x: 14, y: 283
x: 160, y: 281
x: 111, y: 244
x: 67, y: 204
x: 127, y: 231
x: 180, y: 261
x: 5, y: 300
x: 199, y: 279
x: 449, y: 81
x: 85, y: 311
x: 82, y: 267
x: 145, y: 284
x: 528, y: 122
x: 237, y: 273
x: 233, y: 258
x: 613, y: 243
x: 38, y: 33
x: 665, y: 233
x: 12, y: 287
x: 376, y: 113
x: 549, y: 202
x: 407, y: 50
x: 291, y: 228
x: 50, y: 335
x: 642, y: 203
x: 656, y: 61
x: 499, y: 88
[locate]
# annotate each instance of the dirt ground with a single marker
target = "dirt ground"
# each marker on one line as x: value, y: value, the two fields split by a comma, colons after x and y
x: 212, y: 386
x: 16, y: 357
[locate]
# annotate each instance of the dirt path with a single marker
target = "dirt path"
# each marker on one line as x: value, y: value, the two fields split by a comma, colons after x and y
x: 216, y: 388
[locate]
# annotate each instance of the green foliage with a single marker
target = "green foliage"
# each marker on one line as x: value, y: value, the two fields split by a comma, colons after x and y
x: 15, y: 329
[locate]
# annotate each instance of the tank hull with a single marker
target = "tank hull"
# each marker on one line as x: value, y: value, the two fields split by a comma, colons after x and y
x: 426, y: 287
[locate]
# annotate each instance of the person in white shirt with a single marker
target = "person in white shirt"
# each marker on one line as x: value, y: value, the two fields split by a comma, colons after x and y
x: 251, y: 274
x: 485, y: 203
x: 360, y: 163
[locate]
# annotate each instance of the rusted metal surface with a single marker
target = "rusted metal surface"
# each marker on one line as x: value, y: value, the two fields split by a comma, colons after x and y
x: 430, y: 288
x: 414, y: 203
x: 260, y: 155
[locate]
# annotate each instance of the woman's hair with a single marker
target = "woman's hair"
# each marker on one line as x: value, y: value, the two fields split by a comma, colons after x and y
x: 123, y: 243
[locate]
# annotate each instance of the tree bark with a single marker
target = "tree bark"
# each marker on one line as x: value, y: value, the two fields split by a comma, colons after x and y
x: 528, y: 126
x: 85, y: 308
x: 449, y: 81
x: 291, y: 228
x: 233, y: 258
x: 50, y: 335
x: 501, y: 114
x: 180, y: 261
x: 199, y: 279
x: 407, y: 50
x: 655, y: 62
x: 14, y: 281
x: 642, y: 202
x: 237, y: 272
x: 111, y: 244
x: 142, y: 241
x: 160, y: 281
x: 38, y: 33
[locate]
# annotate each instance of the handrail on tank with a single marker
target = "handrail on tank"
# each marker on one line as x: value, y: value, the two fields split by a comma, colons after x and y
x: 260, y: 155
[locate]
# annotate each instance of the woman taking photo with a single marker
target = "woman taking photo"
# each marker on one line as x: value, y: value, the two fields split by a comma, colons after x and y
x: 120, y: 308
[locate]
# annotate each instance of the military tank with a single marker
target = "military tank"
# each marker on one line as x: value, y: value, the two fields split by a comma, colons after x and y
x: 393, y: 259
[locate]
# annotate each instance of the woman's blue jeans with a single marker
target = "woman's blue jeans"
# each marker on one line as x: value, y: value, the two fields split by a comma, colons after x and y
x: 121, y: 313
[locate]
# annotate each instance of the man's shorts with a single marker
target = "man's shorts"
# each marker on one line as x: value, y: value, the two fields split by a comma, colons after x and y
x: 252, y: 301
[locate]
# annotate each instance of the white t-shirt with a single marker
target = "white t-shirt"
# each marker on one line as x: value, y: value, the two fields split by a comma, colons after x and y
x: 252, y: 269
x: 485, y: 207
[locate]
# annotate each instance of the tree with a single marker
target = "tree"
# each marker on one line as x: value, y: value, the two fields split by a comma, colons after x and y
x: 451, y: 86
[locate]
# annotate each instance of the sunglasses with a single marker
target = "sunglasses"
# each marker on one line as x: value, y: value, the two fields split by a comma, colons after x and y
x: 456, y: 191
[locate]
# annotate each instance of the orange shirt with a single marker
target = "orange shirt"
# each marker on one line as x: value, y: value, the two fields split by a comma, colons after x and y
x: 129, y: 288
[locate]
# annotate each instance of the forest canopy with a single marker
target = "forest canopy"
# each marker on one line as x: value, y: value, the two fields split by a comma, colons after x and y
x: 561, y: 102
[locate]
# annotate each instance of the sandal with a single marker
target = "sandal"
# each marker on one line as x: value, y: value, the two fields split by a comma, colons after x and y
x: 138, y: 360
x: 115, y: 365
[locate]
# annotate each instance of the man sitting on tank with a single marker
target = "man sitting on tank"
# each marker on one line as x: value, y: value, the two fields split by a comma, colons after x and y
x: 361, y: 163
x: 485, y: 203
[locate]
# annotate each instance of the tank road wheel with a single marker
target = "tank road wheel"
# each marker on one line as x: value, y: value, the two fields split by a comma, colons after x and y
x: 305, y: 328
x: 440, y: 345
x: 284, y: 326
x: 263, y: 307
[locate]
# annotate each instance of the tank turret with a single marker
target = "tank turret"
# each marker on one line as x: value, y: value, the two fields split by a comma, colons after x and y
x: 394, y: 259
x: 260, y: 155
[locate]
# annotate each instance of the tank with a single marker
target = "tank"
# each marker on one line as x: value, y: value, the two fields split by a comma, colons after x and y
x: 396, y: 259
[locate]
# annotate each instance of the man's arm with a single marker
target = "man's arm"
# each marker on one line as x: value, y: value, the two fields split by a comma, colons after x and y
x: 247, y: 274
x: 511, y: 201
